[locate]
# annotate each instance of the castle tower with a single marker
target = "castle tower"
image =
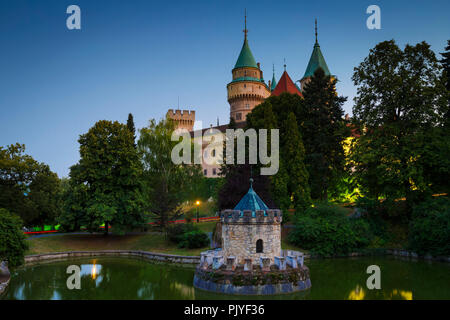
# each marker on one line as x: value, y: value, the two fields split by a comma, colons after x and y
x: 317, y: 60
x: 251, y: 230
x: 247, y: 89
x: 183, y: 119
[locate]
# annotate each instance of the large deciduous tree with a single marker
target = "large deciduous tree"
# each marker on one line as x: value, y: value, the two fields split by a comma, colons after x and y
x: 105, y: 186
x: 167, y: 185
x: 28, y: 188
x: 401, y: 103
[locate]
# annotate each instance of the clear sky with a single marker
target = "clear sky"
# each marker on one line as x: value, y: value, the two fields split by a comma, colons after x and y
x: 140, y: 56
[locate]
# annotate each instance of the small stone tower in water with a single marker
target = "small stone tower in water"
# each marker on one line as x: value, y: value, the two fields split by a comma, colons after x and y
x: 251, y: 261
x: 247, y: 89
x: 251, y: 230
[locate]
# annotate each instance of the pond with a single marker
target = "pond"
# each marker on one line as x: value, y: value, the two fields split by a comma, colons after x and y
x: 127, y: 278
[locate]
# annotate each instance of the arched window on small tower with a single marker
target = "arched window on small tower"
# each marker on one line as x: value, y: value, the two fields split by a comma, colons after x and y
x: 259, y: 246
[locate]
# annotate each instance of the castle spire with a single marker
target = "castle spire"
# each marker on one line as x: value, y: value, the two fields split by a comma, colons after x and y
x: 316, y: 29
x: 316, y: 60
x: 246, y: 58
x: 245, y: 25
x: 274, y: 81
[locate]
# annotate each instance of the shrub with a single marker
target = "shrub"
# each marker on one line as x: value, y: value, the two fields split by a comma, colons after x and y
x: 194, y: 239
x: 12, y: 240
x: 326, y: 230
x: 175, y: 232
x: 429, y: 231
x: 375, y: 214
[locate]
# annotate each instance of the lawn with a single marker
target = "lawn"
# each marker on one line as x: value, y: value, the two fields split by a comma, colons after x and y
x: 151, y: 241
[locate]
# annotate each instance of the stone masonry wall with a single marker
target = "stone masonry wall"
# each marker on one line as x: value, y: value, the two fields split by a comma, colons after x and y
x: 239, y: 240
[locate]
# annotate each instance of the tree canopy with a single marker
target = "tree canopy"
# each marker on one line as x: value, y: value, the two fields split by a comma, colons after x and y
x: 105, y: 186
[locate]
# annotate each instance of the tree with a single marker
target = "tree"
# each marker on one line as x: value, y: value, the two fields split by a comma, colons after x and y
x: 105, y: 185
x: 294, y: 160
x: 446, y: 74
x: 237, y: 179
x: 46, y: 194
x: 130, y: 126
x: 446, y: 64
x: 28, y: 188
x: 324, y: 131
x: 167, y: 185
x: 400, y: 96
x: 12, y: 240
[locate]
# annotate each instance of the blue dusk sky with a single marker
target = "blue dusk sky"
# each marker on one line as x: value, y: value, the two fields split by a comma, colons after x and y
x: 140, y: 56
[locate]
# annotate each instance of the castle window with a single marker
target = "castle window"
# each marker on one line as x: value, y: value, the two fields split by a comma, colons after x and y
x: 259, y: 246
x: 245, y: 86
x: 247, y: 106
x: 214, y: 171
x: 238, y: 116
x: 205, y: 172
x: 213, y: 153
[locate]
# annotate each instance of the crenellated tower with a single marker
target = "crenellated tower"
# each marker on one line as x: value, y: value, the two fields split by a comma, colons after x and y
x: 183, y: 119
x: 247, y: 89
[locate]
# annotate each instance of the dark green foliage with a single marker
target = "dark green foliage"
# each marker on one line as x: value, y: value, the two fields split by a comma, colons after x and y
x: 291, y: 180
x: 326, y: 231
x: 187, y: 235
x: 401, y: 104
x: 105, y: 186
x: 323, y: 130
x: 236, y: 180
x: 446, y: 64
x: 131, y: 127
x: 194, y: 239
x: 28, y: 188
x: 294, y: 161
x: 429, y: 231
x: 167, y: 185
x: 175, y: 232
x: 12, y: 240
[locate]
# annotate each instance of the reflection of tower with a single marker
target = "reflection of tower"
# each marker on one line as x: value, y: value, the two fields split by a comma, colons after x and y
x: 247, y: 89
x: 317, y: 60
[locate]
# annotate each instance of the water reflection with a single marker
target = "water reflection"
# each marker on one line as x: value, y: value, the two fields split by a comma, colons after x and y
x: 359, y: 293
x: 121, y: 278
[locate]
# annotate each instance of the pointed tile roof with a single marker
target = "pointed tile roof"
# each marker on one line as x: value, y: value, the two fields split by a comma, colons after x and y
x: 246, y: 58
x: 317, y: 60
x: 286, y: 85
x: 274, y: 82
x: 251, y: 201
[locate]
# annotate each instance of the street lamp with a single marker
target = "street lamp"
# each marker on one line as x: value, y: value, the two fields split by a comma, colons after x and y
x: 197, y: 203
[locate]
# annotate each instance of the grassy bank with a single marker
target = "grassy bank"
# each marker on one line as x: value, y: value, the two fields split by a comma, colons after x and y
x: 152, y: 241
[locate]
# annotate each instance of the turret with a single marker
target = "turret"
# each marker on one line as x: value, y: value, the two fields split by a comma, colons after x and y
x: 316, y: 61
x: 247, y: 88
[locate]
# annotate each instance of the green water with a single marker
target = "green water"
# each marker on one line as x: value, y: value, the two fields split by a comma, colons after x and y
x: 124, y: 278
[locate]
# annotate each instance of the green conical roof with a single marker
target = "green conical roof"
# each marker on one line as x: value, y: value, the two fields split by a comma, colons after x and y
x: 317, y: 60
x: 274, y: 82
x: 251, y: 201
x: 246, y: 58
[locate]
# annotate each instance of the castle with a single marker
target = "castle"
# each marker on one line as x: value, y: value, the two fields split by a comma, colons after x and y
x: 246, y: 90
